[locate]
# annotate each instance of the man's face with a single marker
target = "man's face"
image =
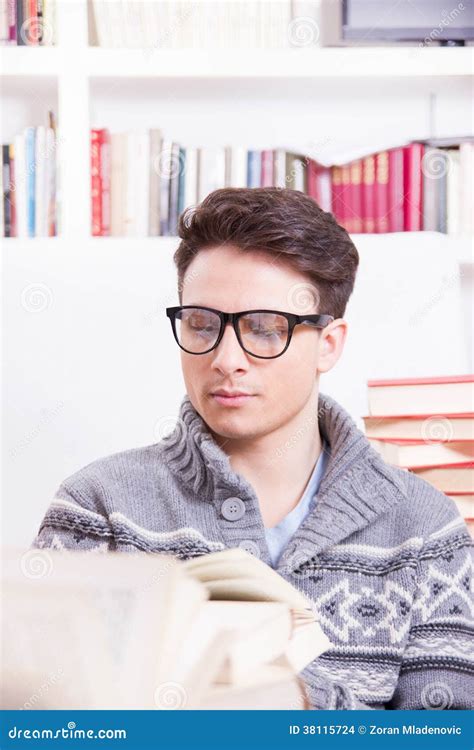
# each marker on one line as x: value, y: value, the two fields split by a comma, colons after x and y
x: 230, y: 280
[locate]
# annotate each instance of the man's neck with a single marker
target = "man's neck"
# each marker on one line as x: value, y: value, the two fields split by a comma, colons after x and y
x: 278, y: 465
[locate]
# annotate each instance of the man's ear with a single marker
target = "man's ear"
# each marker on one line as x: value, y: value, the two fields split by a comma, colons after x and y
x: 331, y: 344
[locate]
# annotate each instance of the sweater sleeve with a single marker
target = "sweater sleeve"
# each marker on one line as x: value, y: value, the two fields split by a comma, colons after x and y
x: 437, y: 669
x: 75, y: 520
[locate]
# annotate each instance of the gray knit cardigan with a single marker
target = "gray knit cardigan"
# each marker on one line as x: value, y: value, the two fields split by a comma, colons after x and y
x: 385, y: 558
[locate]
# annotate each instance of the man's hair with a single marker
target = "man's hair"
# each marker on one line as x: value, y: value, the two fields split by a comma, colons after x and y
x: 285, y: 224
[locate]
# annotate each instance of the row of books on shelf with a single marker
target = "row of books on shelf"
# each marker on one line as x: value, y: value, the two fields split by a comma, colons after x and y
x: 251, y: 24
x: 426, y: 425
x: 28, y: 183
x: 141, y: 182
x: 221, y: 631
x: 29, y: 23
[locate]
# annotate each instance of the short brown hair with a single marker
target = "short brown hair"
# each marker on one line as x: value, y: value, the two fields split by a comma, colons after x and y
x: 287, y: 224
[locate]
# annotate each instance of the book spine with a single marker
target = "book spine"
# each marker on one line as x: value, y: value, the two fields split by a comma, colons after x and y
x: 443, y: 196
x: 336, y: 194
x: 49, y: 23
x: 4, y: 23
x: 20, y: 185
x: 346, y: 197
x: 323, y: 187
x: 266, y: 179
x: 312, y: 180
x: 32, y: 22
x: 165, y: 161
x: 13, y: 211
x: 154, y: 201
x: 412, y: 187
x: 279, y: 167
x: 253, y: 168
x: 381, y: 192
x: 40, y: 17
x: 6, y: 180
x: 105, y: 170
x: 96, y: 206
x: 356, y: 196
x: 368, y: 194
x: 51, y: 208
x: 174, y: 189
x: 20, y: 32
x: 395, y: 190
x: 300, y: 172
x: 30, y: 137
x: 182, y: 181
x: 11, y: 10
x: 40, y: 181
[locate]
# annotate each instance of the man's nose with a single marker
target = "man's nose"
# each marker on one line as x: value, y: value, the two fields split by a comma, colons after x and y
x: 229, y: 355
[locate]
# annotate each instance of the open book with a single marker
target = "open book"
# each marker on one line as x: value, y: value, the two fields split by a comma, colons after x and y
x: 88, y: 630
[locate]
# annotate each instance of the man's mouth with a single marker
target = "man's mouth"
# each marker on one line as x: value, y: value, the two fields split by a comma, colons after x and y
x: 231, y: 398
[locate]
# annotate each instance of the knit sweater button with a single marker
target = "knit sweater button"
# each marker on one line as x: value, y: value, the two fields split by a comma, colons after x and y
x: 233, y: 508
x: 250, y: 546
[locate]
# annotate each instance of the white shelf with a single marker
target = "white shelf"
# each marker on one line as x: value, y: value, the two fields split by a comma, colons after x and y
x: 345, y: 62
x: 459, y: 247
x: 30, y: 61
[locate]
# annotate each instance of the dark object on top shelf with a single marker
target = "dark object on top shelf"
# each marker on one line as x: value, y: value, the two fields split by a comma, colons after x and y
x: 430, y: 22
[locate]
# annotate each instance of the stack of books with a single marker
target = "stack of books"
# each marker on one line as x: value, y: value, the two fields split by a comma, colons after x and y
x: 27, y: 22
x: 149, y: 631
x: 194, y: 25
x: 141, y: 182
x: 28, y: 183
x: 426, y: 425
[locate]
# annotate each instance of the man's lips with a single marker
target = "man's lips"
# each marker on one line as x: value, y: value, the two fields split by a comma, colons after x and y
x: 231, y: 398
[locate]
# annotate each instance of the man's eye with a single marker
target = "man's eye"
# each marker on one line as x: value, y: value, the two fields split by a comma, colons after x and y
x: 266, y: 333
x: 200, y: 327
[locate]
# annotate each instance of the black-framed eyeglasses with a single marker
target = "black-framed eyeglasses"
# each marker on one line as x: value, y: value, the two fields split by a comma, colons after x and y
x: 261, y: 333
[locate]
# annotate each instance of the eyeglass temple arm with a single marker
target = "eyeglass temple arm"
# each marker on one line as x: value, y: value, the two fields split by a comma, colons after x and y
x: 308, y: 320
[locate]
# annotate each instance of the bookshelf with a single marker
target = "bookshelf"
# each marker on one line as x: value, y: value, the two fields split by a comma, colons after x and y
x: 303, y: 98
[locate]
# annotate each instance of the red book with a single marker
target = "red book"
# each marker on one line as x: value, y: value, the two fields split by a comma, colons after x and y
x: 12, y: 21
x: 395, y: 190
x: 368, y: 194
x: 355, y: 195
x: 319, y: 184
x: 345, y: 197
x: 463, y: 465
x: 105, y: 177
x: 423, y: 381
x: 266, y: 179
x: 33, y: 27
x: 336, y: 195
x: 381, y: 192
x: 100, y: 182
x: 412, y: 187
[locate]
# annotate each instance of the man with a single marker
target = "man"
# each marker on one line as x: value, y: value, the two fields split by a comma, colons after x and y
x: 261, y: 459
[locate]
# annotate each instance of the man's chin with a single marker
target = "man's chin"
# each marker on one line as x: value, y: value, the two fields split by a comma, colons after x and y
x: 232, y: 424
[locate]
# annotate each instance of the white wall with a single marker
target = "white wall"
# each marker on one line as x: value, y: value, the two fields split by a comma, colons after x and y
x: 90, y: 366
